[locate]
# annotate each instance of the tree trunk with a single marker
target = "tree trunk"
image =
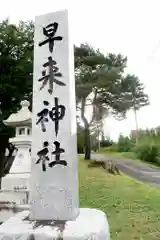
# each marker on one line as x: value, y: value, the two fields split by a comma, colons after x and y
x: 3, y: 145
x: 103, y: 137
x: 102, y: 130
x: 1, y: 165
x: 87, y: 142
x: 98, y: 135
x: 136, y: 121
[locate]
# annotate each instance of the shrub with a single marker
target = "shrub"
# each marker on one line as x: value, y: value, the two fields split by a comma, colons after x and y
x: 148, y: 152
x: 113, y: 148
x: 106, y: 143
x: 124, y: 144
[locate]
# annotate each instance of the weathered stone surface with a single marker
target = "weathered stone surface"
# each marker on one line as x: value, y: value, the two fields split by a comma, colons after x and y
x: 91, y: 224
x: 17, y: 196
x: 9, y: 209
x: 54, y: 177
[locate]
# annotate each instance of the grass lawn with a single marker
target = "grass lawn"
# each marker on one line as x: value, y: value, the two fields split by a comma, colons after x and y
x: 126, y: 155
x: 132, y: 208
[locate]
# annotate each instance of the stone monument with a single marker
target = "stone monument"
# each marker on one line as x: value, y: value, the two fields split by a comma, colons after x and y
x: 54, y: 211
x: 15, y: 186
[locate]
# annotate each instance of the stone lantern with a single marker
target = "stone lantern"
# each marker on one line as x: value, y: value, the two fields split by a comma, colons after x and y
x: 18, y: 177
x: 14, y: 193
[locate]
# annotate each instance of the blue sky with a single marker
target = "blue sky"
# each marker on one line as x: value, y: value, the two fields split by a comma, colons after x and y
x: 130, y: 27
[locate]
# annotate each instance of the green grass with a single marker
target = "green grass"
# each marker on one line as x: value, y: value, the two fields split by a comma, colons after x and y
x: 132, y: 208
x: 126, y: 155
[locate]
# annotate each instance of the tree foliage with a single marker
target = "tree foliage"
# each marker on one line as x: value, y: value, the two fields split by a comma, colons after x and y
x: 103, y: 77
x: 16, y: 68
x: 16, y: 64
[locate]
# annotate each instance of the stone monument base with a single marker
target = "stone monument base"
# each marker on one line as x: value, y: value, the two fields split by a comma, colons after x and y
x: 90, y: 224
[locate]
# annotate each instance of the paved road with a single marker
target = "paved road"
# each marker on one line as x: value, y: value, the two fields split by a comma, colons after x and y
x: 141, y: 172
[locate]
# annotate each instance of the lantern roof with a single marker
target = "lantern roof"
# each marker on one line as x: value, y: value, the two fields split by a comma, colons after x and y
x: 22, y: 118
